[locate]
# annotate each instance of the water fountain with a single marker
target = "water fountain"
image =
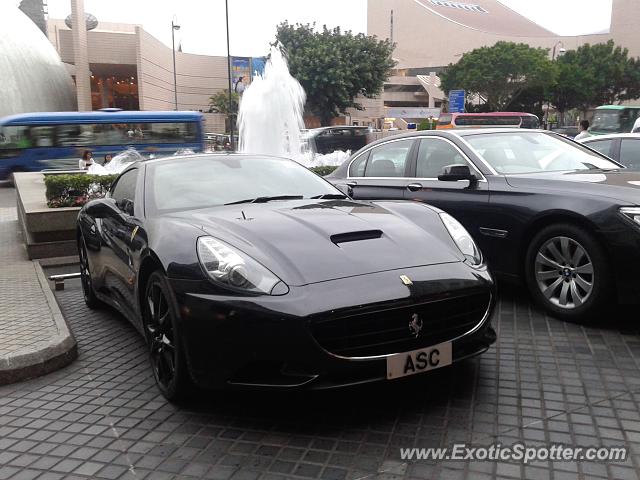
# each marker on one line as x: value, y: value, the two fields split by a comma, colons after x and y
x: 270, y: 119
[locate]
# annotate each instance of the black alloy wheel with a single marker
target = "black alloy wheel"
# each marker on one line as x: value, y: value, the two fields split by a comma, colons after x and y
x: 163, y: 339
x: 567, y: 272
x: 90, y: 298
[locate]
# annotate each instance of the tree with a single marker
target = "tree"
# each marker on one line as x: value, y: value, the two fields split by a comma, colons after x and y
x: 595, y: 75
x: 219, y: 102
x: 500, y: 73
x: 335, y: 67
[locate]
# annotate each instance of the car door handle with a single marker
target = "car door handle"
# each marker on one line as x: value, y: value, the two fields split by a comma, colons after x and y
x: 414, y: 187
x: 352, y: 184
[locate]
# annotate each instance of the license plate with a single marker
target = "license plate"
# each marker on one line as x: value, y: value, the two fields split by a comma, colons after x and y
x: 418, y: 361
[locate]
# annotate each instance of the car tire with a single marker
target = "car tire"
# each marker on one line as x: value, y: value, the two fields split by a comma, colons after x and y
x: 162, y: 332
x: 90, y: 298
x: 567, y: 272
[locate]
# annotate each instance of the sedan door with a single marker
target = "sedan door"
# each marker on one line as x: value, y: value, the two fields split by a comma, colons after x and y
x: 381, y: 173
x: 467, y: 201
x: 120, y: 231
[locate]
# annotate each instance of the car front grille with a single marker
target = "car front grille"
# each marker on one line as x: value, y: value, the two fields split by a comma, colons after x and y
x: 387, y: 331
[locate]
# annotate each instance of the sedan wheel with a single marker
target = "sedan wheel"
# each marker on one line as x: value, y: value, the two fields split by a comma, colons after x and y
x: 161, y: 329
x: 564, y: 272
x: 567, y: 272
x: 85, y: 277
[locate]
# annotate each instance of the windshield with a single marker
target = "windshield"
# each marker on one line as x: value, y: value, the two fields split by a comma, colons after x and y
x: 606, y: 121
x: 530, y: 152
x: 206, y: 181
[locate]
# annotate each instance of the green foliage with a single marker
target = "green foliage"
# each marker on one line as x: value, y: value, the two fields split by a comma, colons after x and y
x: 323, y: 170
x: 500, y: 73
x: 335, y: 67
x: 593, y: 75
x: 219, y: 102
x: 74, y: 190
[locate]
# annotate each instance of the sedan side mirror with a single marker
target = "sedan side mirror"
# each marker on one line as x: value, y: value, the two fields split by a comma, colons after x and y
x: 126, y: 206
x: 101, y: 208
x: 453, y: 173
x: 346, y: 189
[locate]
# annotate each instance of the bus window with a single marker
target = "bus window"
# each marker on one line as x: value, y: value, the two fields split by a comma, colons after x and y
x: 530, y: 122
x: 14, y: 136
x: 487, y: 120
x: 444, y: 120
x: 43, y: 136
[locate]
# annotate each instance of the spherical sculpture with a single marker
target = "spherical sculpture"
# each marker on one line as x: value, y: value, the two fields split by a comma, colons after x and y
x: 90, y: 20
x: 32, y: 76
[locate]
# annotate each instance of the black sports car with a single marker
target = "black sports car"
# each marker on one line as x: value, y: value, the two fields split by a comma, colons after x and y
x: 540, y: 206
x: 253, y: 271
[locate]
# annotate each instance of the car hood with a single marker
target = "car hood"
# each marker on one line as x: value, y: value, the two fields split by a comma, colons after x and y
x: 621, y: 184
x: 311, y: 241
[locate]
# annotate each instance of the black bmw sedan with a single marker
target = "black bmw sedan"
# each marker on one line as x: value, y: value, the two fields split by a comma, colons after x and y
x: 541, y: 207
x: 253, y: 271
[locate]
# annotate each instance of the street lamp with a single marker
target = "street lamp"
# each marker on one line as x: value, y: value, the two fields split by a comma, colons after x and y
x: 174, y: 27
x: 231, y: 140
x: 561, y: 52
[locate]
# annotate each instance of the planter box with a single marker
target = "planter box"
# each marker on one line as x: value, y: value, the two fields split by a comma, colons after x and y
x: 48, y: 232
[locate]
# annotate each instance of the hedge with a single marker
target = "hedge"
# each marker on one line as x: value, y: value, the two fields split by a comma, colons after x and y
x: 323, y: 169
x: 74, y: 190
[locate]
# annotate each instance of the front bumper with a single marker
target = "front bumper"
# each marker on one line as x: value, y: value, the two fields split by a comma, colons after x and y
x: 271, y: 341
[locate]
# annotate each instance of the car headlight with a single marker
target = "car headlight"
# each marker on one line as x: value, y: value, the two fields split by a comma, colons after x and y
x: 462, y: 239
x: 632, y: 213
x: 235, y: 269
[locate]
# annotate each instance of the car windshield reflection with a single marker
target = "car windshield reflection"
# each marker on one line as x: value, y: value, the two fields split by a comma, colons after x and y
x: 532, y: 152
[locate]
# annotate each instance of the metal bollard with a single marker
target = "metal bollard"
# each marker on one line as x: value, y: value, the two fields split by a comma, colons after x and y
x: 58, y: 280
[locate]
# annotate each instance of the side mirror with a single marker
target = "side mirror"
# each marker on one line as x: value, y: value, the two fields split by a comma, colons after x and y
x: 101, y: 208
x: 346, y: 189
x: 453, y: 173
x: 126, y: 206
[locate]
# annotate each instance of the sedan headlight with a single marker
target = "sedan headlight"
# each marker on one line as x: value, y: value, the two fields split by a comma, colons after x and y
x: 235, y: 269
x: 632, y: 213
x: 462, y: 239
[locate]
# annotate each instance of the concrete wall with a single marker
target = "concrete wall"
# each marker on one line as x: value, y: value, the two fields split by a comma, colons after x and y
x: 431, y: 39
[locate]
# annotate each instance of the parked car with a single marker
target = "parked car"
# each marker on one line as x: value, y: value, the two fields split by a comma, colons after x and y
x: 329, y: 139
x: 623, y: 147
x: 542, y: 208
x: 253, y: 271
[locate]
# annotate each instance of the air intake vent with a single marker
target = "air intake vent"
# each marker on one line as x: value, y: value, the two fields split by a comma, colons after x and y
x: 355, y: 236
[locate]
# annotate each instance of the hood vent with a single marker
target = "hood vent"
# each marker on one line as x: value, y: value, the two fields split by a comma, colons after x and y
x: 355, y: 236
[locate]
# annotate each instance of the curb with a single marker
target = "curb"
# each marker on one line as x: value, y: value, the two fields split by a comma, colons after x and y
x: 59, y: 352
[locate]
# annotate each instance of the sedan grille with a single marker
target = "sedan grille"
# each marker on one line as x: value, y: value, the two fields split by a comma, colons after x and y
x: 393, y: 330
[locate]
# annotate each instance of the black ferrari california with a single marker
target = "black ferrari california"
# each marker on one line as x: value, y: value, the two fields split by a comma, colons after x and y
x: 247, y: 270
x: 543, y: 208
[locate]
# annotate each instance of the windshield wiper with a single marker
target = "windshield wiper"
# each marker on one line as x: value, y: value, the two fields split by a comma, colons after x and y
x: 330, y: 196
x: 267, y: 199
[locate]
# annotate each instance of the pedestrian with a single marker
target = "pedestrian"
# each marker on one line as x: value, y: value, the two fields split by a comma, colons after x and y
x: 583, y: 133
x: 107, y: 158
x: 86, y: 161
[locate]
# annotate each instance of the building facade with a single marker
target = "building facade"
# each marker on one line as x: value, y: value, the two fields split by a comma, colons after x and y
x: 132, y: 70
x: 431, y: 34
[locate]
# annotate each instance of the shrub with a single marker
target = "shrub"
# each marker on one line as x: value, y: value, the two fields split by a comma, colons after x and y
x: 323, y: 169
x: 74, y: 190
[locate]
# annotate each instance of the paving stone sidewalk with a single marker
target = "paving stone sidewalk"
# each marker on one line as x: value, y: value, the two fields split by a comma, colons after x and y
x: 34, y: 338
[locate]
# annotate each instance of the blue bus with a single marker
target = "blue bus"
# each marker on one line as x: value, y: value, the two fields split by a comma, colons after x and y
x: 57, y: 140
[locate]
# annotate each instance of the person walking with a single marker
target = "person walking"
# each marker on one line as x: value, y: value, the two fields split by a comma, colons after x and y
x: 583, y: 133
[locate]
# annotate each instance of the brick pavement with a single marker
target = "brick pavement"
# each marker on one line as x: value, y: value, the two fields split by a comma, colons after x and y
x: 28, y: 325
x: 544, y: 381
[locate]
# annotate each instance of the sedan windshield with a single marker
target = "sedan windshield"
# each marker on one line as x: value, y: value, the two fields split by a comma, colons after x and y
x: 206, y: 181
x: 530, y: 152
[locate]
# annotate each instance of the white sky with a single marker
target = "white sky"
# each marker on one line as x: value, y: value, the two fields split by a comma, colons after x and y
x: 253, y: 22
